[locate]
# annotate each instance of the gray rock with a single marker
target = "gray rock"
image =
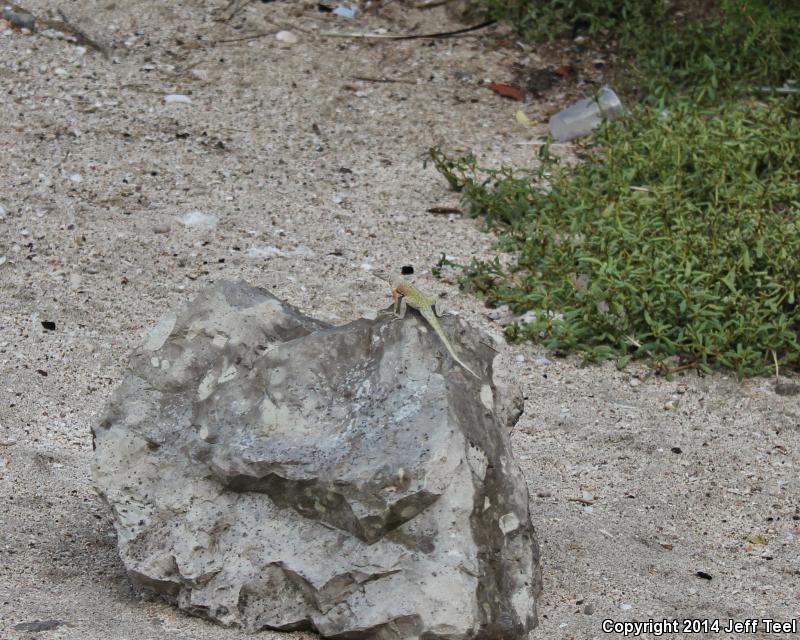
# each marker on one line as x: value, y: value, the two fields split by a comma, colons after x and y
x: 269, y: 471
x: 787, y: 388
x: 38, y: 625
x: 19, y: 18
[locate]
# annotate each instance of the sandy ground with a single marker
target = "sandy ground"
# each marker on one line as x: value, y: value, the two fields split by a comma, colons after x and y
x: 637, y: 483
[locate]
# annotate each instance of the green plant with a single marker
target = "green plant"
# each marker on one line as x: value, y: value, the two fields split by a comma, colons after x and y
x: 703, y: 49
x: 677, y: 239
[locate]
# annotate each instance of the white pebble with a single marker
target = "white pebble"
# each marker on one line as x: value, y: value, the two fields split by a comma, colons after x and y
x: 199, y: 219
x: 265, y: 251
x: 286, y: 37
x: 178, y: 98
x: 346, y: 12
x: 76, y: 178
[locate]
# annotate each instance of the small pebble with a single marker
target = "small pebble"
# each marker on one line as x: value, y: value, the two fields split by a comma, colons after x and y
x: 588, y: 609
x: 161, y: 228
x: 626, y: 607
x: 265, y: 251
x: 541, y: 361
x: 19, y: 18
x: 38, y: 625
x: 787, y: 388
x: 177, y: 98
x: 199, y: 219
x: 345, y: 11
x: 496, y: 314
x: 286, y: 37
x: 76, y: 178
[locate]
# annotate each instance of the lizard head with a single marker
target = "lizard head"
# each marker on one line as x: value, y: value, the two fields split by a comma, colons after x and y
x: 397, y: 283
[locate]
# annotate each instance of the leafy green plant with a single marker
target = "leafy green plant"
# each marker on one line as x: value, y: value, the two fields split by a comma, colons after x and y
x: 552, y: 19
x: 677, y: 239
x: 706, y: 49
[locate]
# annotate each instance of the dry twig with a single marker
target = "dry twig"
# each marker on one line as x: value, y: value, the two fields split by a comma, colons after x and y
x: 391, y: 36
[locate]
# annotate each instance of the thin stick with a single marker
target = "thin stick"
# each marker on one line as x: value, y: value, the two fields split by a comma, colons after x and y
x: 65, y: 26
x: 254, y: 36
x: 444, y: 210
x: 387, y: 80
x: 683, y: 367
x: 430, y: 5
x: 389, y: 36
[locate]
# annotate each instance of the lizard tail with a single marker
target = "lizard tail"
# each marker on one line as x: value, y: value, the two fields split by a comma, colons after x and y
x: 467, y: 368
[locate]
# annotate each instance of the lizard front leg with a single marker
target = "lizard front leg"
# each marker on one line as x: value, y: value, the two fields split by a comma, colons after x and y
x: 400, y: 307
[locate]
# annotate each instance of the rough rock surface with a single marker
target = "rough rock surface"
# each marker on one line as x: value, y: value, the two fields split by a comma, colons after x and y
x: 267, y: 470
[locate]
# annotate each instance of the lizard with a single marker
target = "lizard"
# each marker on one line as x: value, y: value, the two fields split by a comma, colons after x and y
x: 405, y: 294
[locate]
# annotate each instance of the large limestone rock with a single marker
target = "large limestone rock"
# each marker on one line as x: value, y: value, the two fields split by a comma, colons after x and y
x: 270, y: 471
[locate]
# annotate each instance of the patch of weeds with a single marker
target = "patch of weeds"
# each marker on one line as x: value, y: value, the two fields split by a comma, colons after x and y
x: 548, y: 20
x: 705, y: 49
x: 677, y: 239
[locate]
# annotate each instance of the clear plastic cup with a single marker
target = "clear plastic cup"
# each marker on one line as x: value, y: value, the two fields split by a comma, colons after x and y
x: 581, y: 118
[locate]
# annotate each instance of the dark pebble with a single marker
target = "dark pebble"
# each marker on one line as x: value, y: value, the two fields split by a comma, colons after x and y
x: 38, y: 625
x: 787, y: 388
x: 19, y: 18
